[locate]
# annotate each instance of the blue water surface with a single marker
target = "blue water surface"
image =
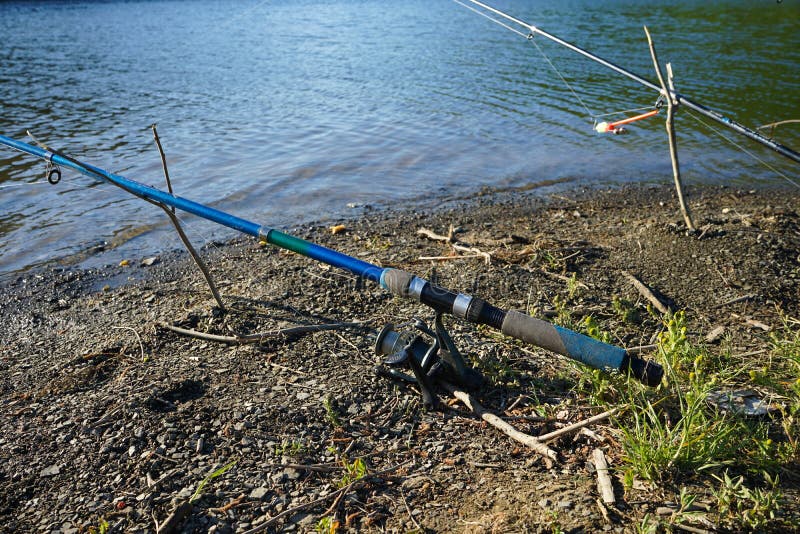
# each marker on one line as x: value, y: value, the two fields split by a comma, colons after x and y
x: 297, y: 110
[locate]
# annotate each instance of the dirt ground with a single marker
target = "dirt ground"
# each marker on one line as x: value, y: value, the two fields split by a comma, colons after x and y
x: 111, y: 423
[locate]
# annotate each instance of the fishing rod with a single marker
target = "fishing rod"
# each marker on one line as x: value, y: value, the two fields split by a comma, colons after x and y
x: 398, y: 346
x: 531, y: 31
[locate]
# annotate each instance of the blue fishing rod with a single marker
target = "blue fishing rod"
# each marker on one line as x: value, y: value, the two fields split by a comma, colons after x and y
x: 398, y: 346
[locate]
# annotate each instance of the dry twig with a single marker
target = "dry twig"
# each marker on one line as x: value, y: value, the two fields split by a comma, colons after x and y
x: 173, y: 520
x: 532, y: 442
x: 673, y: 146
x: 258, y: 338
x: 544, y: 438
x: 474, y: 251
x: 646, y: 293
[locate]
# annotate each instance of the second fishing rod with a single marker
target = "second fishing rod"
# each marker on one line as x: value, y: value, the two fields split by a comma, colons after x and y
x: 403, y: 284
x: 530, y: 31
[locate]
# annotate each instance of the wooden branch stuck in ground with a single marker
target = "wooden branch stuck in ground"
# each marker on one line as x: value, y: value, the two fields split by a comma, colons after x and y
x: 673, y: 145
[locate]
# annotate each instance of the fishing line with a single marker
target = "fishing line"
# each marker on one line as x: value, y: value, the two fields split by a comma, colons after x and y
x: 488, y: 17
x: 743, y: 149
x: 39, y: 182
x: 575, y: 94
x: 677, y: 97
x: 530, y: 37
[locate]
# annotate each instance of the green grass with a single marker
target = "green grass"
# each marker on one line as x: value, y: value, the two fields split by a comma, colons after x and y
x: 289, y: 448
x: 353, y: 471
x: 198, y: 492
x: 331, y: 413
x: 673, y: 432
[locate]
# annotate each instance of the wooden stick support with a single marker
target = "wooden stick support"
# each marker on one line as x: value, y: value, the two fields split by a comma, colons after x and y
x: 170, y: 211
x: 673, y: 146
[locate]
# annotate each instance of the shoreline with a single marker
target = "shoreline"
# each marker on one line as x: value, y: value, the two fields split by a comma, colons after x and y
x: 99, y: 406
x: 103, y: 256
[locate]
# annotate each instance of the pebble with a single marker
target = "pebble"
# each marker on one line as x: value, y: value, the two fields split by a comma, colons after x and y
x: 259, y: 493
x: 291, y: 473
x: 50, y: 471
x: 565, y: 505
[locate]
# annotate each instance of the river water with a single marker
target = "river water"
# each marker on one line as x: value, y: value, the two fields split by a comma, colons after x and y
x: 290, y: 111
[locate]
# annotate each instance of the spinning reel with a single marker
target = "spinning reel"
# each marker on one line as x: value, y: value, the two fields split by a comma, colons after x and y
x: 437, y: 360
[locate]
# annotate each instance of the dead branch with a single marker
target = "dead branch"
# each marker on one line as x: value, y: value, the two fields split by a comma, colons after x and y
x: 174, y: 519
x: 184, y: 239
x: 258, y: 338
x: 476, y: 252
x: 544, y: 438
x: 526, y: 439
x: 449, y: 258
x: 673, y: 146
x: 646, y: 293
x: 231, y: 504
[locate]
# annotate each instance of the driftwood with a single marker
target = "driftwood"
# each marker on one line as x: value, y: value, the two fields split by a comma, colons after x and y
x: 646, y: 293
x: 532, y: 442
x: 604, y: 486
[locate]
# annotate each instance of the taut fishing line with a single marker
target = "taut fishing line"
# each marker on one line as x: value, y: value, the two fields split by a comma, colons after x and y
x: 743, y: 149
x: 676, y: 97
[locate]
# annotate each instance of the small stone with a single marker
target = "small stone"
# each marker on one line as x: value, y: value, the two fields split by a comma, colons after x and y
x: 259, y: 493
x: 291, y: 473
x: 414, y: 482
x: 715, y: 334
x: 50, y: 471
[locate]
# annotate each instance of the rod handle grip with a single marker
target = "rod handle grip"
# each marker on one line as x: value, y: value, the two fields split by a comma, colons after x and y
x: 579, y: 347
